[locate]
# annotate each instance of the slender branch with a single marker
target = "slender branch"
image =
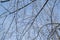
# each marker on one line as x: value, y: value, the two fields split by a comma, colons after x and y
x: 35, y: 17
x: 3, y: 37
x: 19, y: 8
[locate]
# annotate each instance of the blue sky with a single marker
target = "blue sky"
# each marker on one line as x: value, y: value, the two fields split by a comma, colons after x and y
x: 25, y: 18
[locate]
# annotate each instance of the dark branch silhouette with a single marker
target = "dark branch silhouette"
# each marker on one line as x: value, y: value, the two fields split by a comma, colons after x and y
x: 3, y: 1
